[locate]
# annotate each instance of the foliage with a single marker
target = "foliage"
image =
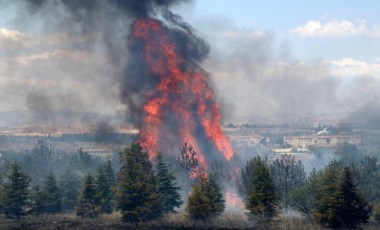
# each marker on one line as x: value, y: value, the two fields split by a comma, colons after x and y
x: 303, y: 198
x: 214, y: 194
x: 261, y: 194
x: 368, y: 176
x: 105, y: 181
x: 69, y: 184
x: 88, y: 202
x: 136, y: 191
x: 287, y: 174
x: 331, y: 197
x: 166, y: 186
x: 16, y: 197
x: 352, y: 207
x: 52, y: 195
x: 198, y: 205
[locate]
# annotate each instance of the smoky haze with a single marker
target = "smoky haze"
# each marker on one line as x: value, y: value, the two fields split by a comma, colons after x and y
x: 73, y: 55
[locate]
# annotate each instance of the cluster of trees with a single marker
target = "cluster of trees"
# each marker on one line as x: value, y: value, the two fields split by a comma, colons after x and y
x: 18, y: 197
x: 341, y: 195
x: 144, y: 190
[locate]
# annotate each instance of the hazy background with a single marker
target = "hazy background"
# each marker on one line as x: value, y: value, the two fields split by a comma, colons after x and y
x: 265, y: 58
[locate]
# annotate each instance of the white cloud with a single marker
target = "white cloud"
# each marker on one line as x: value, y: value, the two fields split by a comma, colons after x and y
x: 348, y: 67
x: 342, y: 28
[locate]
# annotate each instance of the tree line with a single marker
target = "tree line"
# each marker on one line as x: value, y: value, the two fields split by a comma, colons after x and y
x: 341, y: 195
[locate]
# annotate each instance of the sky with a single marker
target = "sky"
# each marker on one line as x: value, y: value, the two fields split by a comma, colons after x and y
x: 266, y: 58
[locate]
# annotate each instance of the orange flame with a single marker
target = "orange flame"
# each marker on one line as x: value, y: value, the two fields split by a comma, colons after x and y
x: 233, y: 201
x: 182, y: 92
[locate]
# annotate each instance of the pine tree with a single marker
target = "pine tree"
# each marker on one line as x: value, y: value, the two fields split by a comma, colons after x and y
x: 166, y: 186
x: 326, y: 196
x: 261, y: 198
x: 52, y: 195
x: 88, y: 203
x: 352, y: 208
x: 69, y: 184
x: 105, y: 180
x: 16, y: 193
x: 198, y: 205
x: 38, y: 198
x: 214, y: 194
x: 136, y: 189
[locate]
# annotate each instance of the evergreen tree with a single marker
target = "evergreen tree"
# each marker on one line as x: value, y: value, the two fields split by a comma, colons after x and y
x: 198, y: 205
x: 214, y: 194
x: 52, y: 195
x: 38, y: 197
x: 136, y: 189
x: 105, y: 180
x: 16, y: 193
x: 261, y: 199
x: 69, y: 184
x: 88, y: 203
x: 352, y: 208
x: 326, y: 197
x: 166, y: 186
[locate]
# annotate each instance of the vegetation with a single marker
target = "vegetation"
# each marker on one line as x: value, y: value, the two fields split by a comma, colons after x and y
x: 166, y: 186
x: 261, y: 198
x: 88, y: 201
x: 343, y: 194
x: 288, y: 174
x: 104, y: 182
x: 136, y: 191
x: 16, y: 197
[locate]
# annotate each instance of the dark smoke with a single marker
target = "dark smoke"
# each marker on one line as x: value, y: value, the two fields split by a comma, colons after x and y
x: 100, y: 26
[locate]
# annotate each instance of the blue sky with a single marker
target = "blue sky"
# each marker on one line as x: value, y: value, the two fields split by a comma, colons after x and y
x: 282, y: 16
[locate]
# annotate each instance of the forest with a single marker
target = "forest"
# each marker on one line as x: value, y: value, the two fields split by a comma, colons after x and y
x: 41, y: 189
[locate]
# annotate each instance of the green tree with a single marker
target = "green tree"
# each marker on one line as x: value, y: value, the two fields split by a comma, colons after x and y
x: 38, y: 198
x: 198, y: 205
x: 16, y: 193
x: 261, y: 198
x: 303, y: 198
x: 104, y: 181
x: 326, y: 196
x: 69, y: 184
x: 352, y: 208
x: 52, y: 195
x: 287, y: 174
x: 166, y: 186
x: 214, y: 194
x: 88, y: 203
x: 136, y: 190
x: 368, y: 176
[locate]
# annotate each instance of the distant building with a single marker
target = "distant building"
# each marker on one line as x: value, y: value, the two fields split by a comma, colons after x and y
x: 321, y: 141
x: 245, y: 140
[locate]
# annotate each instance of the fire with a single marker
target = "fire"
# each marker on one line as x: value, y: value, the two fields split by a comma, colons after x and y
x: 233, y: 201
x: 182, y: 105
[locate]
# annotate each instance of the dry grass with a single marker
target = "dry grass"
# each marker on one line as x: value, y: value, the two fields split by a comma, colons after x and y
x: 171, y: 221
